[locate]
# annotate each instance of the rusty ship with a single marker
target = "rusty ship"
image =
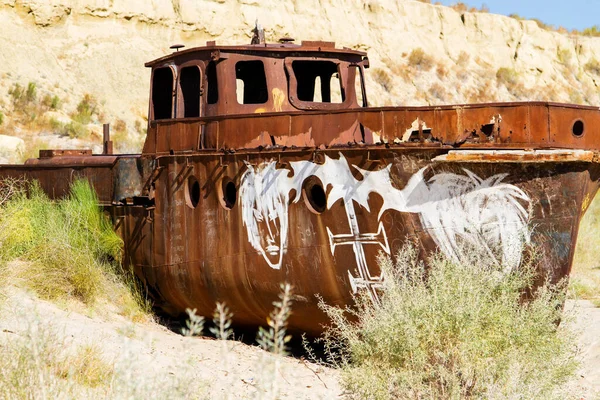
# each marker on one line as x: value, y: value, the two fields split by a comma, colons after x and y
x: 264, y: 163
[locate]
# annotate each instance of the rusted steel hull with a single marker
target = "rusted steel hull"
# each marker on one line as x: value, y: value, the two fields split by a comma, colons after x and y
x: 226, y: 209
x: 377, y: 200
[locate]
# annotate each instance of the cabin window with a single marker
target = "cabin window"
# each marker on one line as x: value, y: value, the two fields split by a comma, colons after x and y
x: 162, y: 93
x: 318, y: 81
x: 251, y: 82
x: 211, y: 80
x: 189, y: 80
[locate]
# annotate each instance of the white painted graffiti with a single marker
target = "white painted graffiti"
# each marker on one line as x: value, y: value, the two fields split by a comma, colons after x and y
x: 454, y: 209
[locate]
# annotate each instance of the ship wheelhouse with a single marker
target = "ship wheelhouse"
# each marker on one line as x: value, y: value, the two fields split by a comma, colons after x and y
x: 228, y: 80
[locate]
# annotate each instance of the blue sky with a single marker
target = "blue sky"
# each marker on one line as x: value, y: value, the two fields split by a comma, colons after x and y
x: 571, y: 14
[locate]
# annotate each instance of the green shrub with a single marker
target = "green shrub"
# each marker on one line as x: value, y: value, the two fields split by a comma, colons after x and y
x: 452, y: 331
x: 592, y: 31
x: 67, y: 248
x: 87, y: 107
x: 1, y: 117
x: 31, y: 94
x: 76, y: 130
x: 51, y: 102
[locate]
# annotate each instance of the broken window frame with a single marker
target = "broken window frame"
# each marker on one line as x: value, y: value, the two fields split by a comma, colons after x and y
x: 252, y: 106
x: 180, y: 112
x: 173, y: 92
x: 342, y: 69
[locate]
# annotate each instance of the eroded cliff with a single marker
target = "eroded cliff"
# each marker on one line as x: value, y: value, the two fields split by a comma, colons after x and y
x: 420, y: 53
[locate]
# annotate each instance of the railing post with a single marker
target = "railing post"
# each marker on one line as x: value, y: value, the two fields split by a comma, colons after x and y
x: 108, y: 144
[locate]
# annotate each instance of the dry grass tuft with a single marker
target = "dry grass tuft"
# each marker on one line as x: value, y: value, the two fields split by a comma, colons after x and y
x: 585, y: 275
x: 43, y: 364
x: 593, y: 66
x: 383, y: 78
x: 420, y: 60
x: 65, y: 249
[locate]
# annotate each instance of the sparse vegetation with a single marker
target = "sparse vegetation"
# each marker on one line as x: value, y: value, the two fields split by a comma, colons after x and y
x: 507, y: 76
x: 460, y: 7
x: 438, y: 91
x: 441, y: 71
x: 593, y: 66
x: 510, y: 79
x: 51, y: 102
x: 86, y: 109
x: 420, y: 60
x: 564, y: 56
x: 64, y: 249
x: 42, y: 364
x: 274, y: 338
x: 591, y: 31
x: 383, y: 79
x: 585, y: 278
x: 453, y: 331
x: 463, y: 59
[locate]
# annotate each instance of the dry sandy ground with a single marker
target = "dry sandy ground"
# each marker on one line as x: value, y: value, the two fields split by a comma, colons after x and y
x: 240, y: 370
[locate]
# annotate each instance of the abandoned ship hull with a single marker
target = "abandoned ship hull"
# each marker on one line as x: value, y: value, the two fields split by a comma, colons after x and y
x: 264, y: 164
x: 232, y: 228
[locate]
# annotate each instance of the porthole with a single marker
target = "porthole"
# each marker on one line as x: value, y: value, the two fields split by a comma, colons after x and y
x: 314, y: 195
x: 192, y: 193
x: 228, y: 193
x: 578, y: 128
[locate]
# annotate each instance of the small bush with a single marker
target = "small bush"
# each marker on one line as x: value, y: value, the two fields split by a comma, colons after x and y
x: 420, y: 60
x: 510, y: 79
x: 76, y: 130
x: 1, y: 117
x: 585, y: 278
x: 460, y: 7
x: 507, y: 76
x: 441, y: 71
x: 564, y: 56
x: 51, y: 102
x: 16, y: 93
x: 37, y: 365
x: 86, y: 109
x: 592, y: 31
x: 438, y: 91
x: 543, y: 25
x: 453, y: 331
x: 31, y: 94
x: 463, y: 59
x: 593, y: 66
